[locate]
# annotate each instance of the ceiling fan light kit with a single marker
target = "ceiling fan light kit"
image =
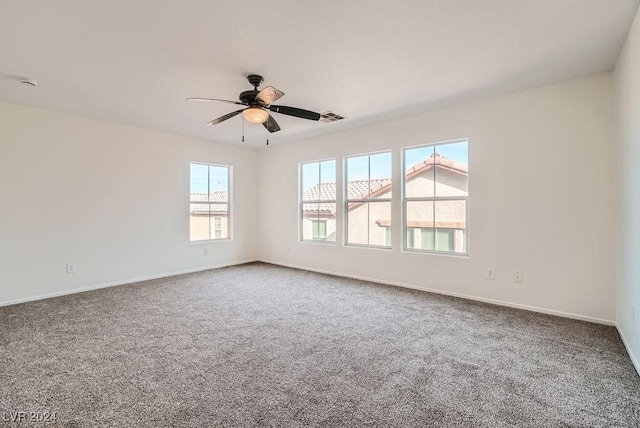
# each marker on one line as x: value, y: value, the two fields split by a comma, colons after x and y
x: 258, y: 105
x: 255, y: 114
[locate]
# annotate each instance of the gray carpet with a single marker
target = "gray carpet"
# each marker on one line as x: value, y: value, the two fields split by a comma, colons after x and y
x: 262, y: 345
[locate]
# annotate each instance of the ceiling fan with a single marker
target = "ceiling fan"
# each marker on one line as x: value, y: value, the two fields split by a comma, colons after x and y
x: 258, y: 104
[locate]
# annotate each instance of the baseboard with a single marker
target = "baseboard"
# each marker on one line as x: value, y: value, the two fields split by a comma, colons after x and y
x: 362, y: 278
x: 449, y: 293
x: 113, y: 284
x: 634, y: 360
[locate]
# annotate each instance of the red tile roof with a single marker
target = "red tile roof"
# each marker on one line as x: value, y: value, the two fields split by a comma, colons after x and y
x: 356, y: 189
x: 220, y: 207
x: 359, y: 189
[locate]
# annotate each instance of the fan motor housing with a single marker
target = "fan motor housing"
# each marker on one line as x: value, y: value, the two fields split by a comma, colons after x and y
x: 248, y: 97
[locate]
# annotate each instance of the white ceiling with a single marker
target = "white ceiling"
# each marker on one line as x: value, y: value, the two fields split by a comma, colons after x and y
x: 135, y: 62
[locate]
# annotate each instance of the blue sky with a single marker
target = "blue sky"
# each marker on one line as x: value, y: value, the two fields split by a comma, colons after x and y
x: 457, y: 151
x: 379, y: 164
x: 206, y: 178
x: 209, y: 178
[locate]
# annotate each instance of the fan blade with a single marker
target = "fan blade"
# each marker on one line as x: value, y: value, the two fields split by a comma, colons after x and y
x: 225, y: 117
x: 269, y: 95
x: 296, y: 112
x: 271, y: 124
x: 215, y: 99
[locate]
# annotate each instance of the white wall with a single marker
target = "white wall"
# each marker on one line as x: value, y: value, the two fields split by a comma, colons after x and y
x: 112, y: 199
x: 541, y: 180
x: 627, y: 95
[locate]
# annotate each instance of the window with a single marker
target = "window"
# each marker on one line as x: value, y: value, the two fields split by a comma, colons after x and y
x: 424, y: 238
x: 218, y: 227
x: 368, y: 200
x: 319, y: 230
x: 387, y: 236
x: 318, y: 201
x: 436, y: 197
x: 209, y: 202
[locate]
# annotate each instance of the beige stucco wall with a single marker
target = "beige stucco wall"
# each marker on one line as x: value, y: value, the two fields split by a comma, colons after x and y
x: 307, y: 227
x: 199, y: 227
x: 367, y: 222
x: 362, y: 226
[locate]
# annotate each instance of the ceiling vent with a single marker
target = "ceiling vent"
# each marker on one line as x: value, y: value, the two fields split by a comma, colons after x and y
x: 331, y: 116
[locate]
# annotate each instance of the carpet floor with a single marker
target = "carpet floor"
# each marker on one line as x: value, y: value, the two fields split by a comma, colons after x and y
x: 262, y: 345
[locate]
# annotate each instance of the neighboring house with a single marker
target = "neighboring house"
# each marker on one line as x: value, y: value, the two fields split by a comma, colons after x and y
x: 210, y: 219
x: 439, y: 225
x: 319, y: 219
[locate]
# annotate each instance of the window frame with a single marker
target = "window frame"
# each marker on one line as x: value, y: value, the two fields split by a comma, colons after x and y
x: 301, y: 202
x: 434, y: 199
x: 229, y: 236
x: 347, y: 201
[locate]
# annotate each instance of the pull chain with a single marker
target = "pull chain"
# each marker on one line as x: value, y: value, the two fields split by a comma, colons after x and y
x: 242, y: 129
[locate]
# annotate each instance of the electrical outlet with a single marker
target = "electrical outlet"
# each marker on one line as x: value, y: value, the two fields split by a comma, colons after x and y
x: 71, y: 268
x: 518, y: 278
x: 289, y: 250
x: 206, y: 252
x: 633, y: 314
x: 491, y: 273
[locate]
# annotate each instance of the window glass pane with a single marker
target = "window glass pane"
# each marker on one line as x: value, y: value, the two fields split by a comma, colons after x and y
x: 327, y: 181
x: 310, y: 216
x: 311, y: 181
x: 199, y: 222
x: 451, y: 214
x: 427, y: 239
x: 218, y: 224
x: 420, y: 238
x: 452, y: 176
x: 328, y: 216
x: 369, y: 176
x: 458, y: 151
x: 358, y: 168
x: 319, y: 221
x: 199, y: 178
x: 410, y: 241
x: 420, y: 225
x: 379, y: 221
x: 357, y: 219
x: 319, y: 181
x: 420, y: 172
x: 451, y: 223
x: 367, y: 223
x: 444, y: 240
x: 220, y: 210
x: 319, y: 230
x: 219, y: 183
x: 209, y: 202
x: 419, y: 214
x: 380, y: 174
x: 217, y: 228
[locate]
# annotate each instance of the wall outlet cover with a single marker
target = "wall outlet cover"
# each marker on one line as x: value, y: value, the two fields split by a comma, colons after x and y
x: 491, y: 273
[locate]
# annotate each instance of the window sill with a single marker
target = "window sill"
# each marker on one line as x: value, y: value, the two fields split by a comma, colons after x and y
x: 369, y: 247
x: 317, y: 241
x: 437, y: 253
x: 208, y: 241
